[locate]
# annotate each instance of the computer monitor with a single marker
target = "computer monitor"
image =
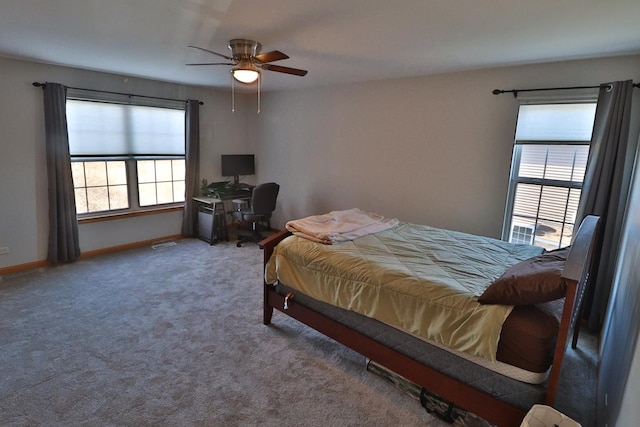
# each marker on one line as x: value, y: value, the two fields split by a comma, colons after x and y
x: 238, y: 164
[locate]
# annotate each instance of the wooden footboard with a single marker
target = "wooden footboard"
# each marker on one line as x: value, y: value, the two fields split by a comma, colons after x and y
x: 457, y: 392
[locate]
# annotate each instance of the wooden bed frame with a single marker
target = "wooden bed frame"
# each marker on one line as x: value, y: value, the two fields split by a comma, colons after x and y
x: 452, y: 390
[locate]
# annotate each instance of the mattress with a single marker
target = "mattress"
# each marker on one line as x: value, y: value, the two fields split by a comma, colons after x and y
x: 525, y: 350
x: 527, y: 334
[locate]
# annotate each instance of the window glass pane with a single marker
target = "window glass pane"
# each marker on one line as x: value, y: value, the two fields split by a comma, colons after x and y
x: 97, y: 199
x: 118, y: 197
x: 163, y: 170
x: 96, y: 173
x: 77, y: 174
x: 146, y: 171
x: 147, y: 194
x: 548, y: 234
x: 179, y: 171
x: 117, y: 172
x: 81, y: 200
x: 567, y: 235
x: 526, y: 200
x: 560, y: 162
x: 165, y: 192
x: 582, y: 155
x: 178, y: 191
x: 532, y: 161
x: 552, y: 203
x: 572, y: 205
x: 555, y: 122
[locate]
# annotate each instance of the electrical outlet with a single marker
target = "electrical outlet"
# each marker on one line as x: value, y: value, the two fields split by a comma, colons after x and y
x: 4, y: 250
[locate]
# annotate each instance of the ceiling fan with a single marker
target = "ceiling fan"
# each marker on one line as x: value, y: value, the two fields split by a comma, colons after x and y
x: 247, y: 60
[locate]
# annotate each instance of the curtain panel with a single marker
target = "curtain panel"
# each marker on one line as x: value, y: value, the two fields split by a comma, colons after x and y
x: 605, y: 190
x: 192, y: 165
x: 64, y: 243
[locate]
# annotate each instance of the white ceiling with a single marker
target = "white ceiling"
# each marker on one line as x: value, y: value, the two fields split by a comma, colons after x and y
x: 338, y: 41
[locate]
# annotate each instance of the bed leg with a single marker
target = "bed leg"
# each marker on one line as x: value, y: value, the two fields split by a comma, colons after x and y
x: 268, y: 313
x: 268, y: 309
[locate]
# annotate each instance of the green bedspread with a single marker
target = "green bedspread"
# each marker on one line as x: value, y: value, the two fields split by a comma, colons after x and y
x: 422, y: 280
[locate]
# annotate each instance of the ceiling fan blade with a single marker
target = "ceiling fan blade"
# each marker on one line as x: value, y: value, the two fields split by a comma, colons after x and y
x: 274, y: 55
x: 212, y: 52
x: 213, y: 63
x: 286, y: 70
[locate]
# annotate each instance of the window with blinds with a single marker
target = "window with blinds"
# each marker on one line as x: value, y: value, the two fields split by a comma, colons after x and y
x: 547, y: 170
x: 113, y: 144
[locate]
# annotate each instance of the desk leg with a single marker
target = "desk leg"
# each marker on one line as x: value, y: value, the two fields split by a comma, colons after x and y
x: 218, y: 224
x: 212, y: 238
x: 224, y: 233
x: 196, y: 222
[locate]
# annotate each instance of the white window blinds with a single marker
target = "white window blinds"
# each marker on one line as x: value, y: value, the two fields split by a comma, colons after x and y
x: 117, y: 130
x: 555, y: 122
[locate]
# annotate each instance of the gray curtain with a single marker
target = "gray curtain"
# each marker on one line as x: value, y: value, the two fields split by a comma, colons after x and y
x: 192, y: 187
x: 605, y: 189
x: 63, y: 225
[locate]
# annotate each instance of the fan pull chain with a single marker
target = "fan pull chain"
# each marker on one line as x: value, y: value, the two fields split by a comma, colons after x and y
x: 259, y: 78
x: 233, y: 94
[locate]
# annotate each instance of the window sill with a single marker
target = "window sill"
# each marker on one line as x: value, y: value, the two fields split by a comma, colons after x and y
x: 129, y: 214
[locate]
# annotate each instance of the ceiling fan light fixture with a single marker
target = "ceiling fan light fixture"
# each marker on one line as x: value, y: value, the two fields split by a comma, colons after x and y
x: 245, y: 72
x: 245, y: 76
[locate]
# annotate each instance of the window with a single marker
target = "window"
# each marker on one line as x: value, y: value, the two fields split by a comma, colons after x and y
x: 547, y: 170
x: 100, y: 186
x: 123, y: 156
x: 160, y: 181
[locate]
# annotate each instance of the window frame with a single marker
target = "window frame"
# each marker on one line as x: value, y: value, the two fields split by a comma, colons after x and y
x: 130, y: 159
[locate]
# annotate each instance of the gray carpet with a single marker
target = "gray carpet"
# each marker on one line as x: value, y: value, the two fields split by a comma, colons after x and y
x: 174, y: 337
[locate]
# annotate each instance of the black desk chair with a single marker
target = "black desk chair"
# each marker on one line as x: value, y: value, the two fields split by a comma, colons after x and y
x: 263, y: 203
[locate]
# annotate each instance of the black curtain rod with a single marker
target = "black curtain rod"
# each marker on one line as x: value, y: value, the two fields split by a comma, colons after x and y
x: 515, y: 91
x: 42, y: 85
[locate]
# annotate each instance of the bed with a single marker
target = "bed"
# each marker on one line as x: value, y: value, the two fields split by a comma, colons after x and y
x: 466, y: 352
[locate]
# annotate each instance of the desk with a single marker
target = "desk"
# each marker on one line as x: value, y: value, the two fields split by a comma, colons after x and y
x: 211, y: 217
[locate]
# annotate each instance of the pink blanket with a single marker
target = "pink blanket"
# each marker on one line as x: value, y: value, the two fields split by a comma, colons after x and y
x: 339, y: 226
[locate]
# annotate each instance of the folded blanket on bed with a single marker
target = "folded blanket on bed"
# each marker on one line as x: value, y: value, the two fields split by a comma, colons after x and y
x: 339, y: 226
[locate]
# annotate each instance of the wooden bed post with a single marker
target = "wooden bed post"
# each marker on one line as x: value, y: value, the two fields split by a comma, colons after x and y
x: 561, y: 342
x: 576, y: 274
x: 268, y: 245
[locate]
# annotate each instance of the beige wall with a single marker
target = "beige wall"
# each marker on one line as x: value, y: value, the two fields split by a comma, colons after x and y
x: 23, y: 198
x: 433, y: 150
